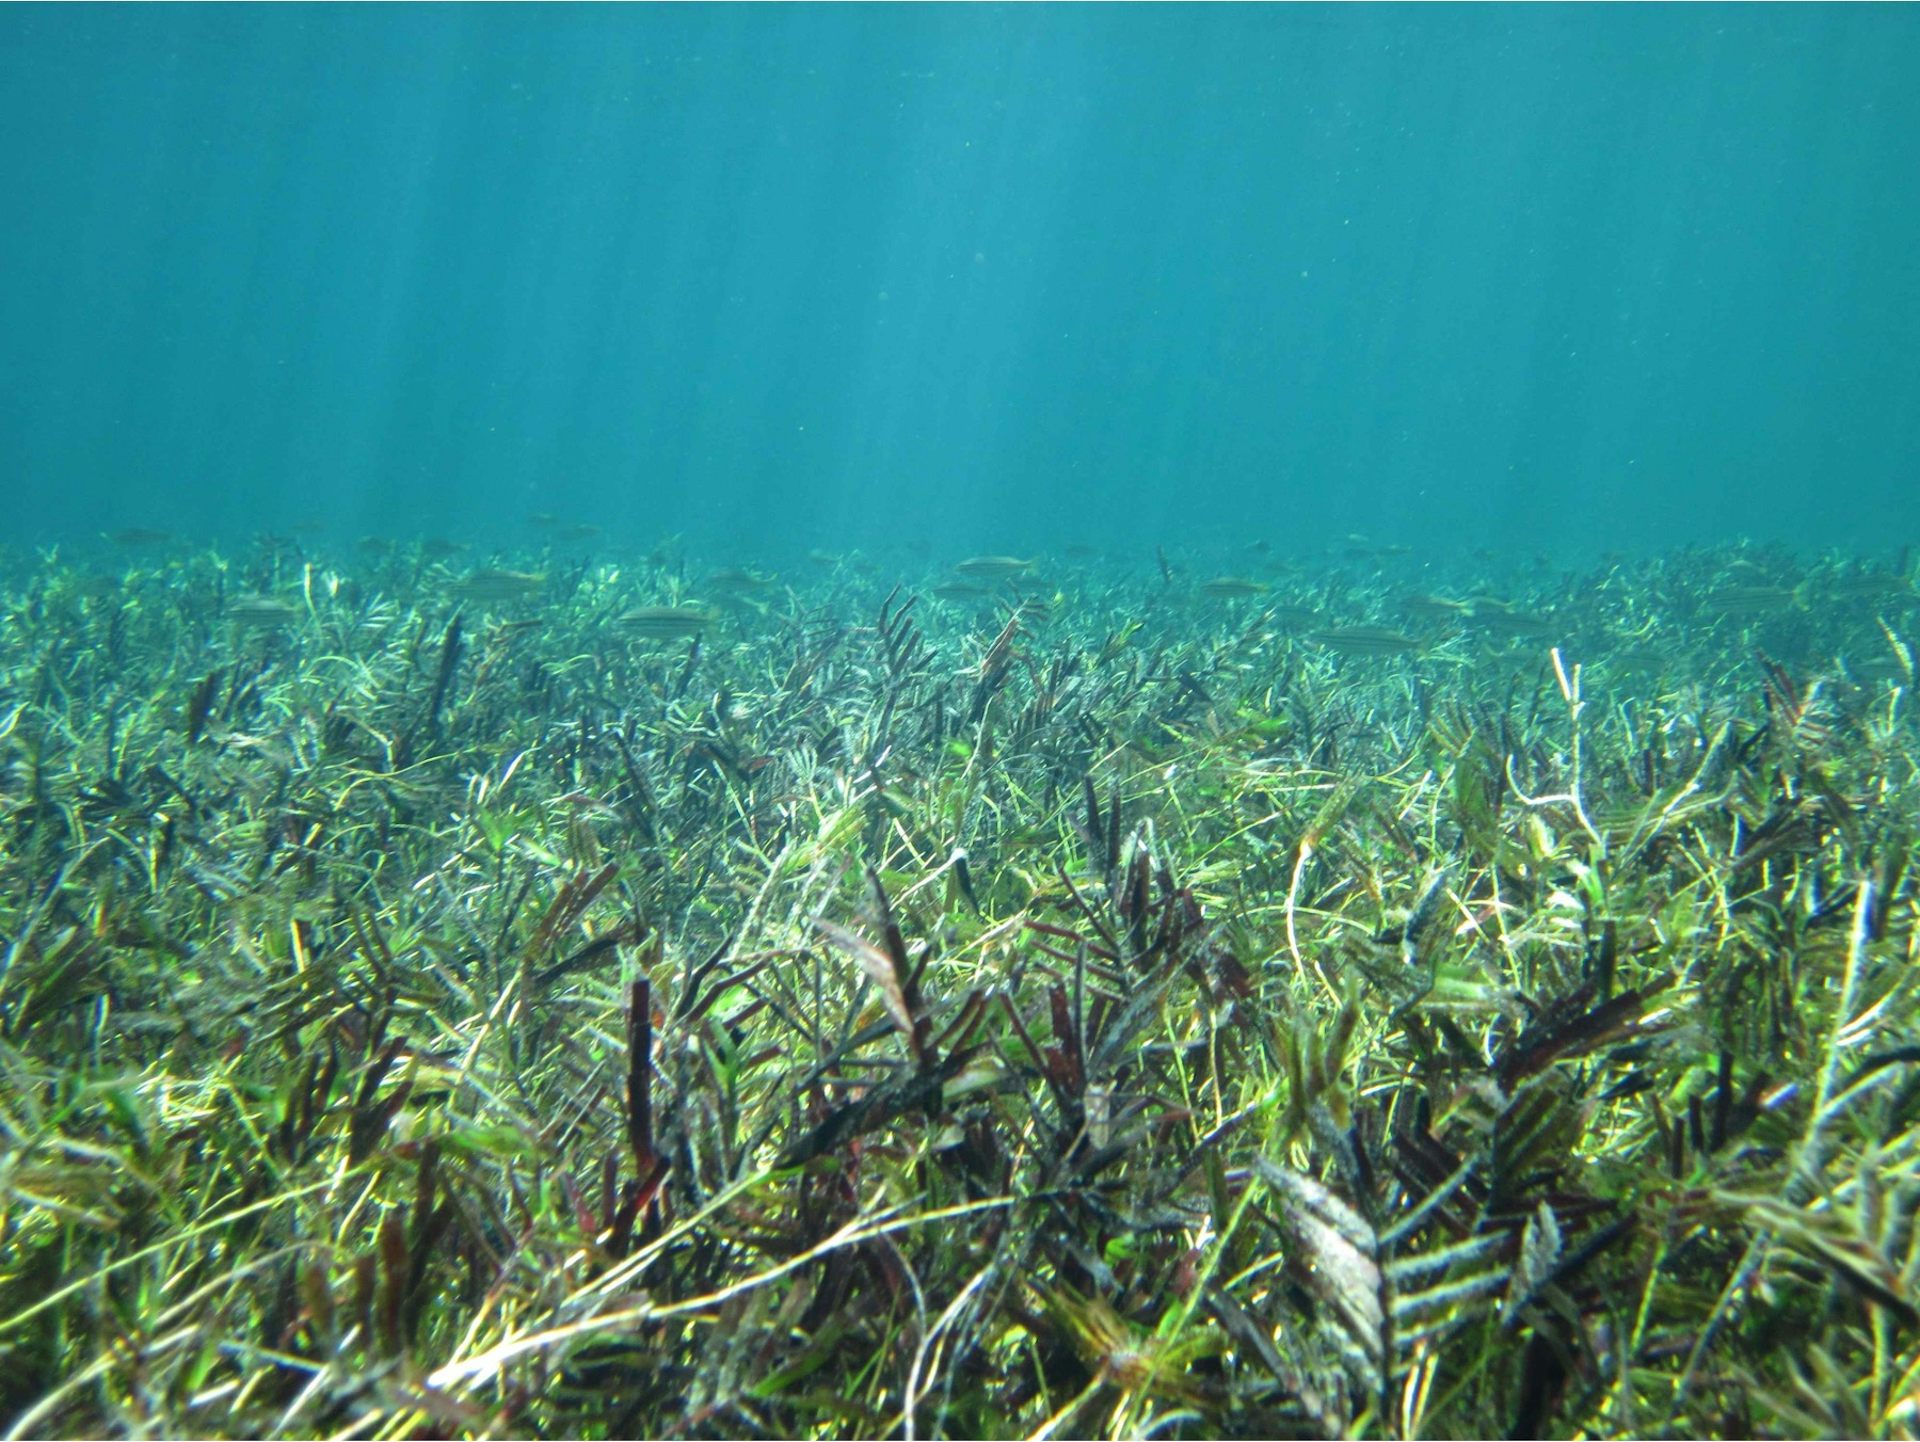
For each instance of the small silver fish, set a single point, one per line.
(1227, 586)
(740, 582)
(1364, 641)
(993, 566)
(668, 623)
(497, 586)
(261, 613)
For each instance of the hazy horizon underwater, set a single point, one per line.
(1557, 277)
(999, 721)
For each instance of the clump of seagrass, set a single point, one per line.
(1395, 996)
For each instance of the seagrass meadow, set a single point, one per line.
(599, 992)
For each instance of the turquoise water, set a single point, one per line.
(965, 278)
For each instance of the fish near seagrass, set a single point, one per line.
(1364, 641)
(1225, 587)
(496, 585)
(668, 623)
(1755, 600)
(732, 580)
(993, 566)
(1428, 607)
(261, 613)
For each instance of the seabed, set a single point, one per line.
(568, 993)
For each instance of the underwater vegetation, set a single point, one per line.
(451, 994)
